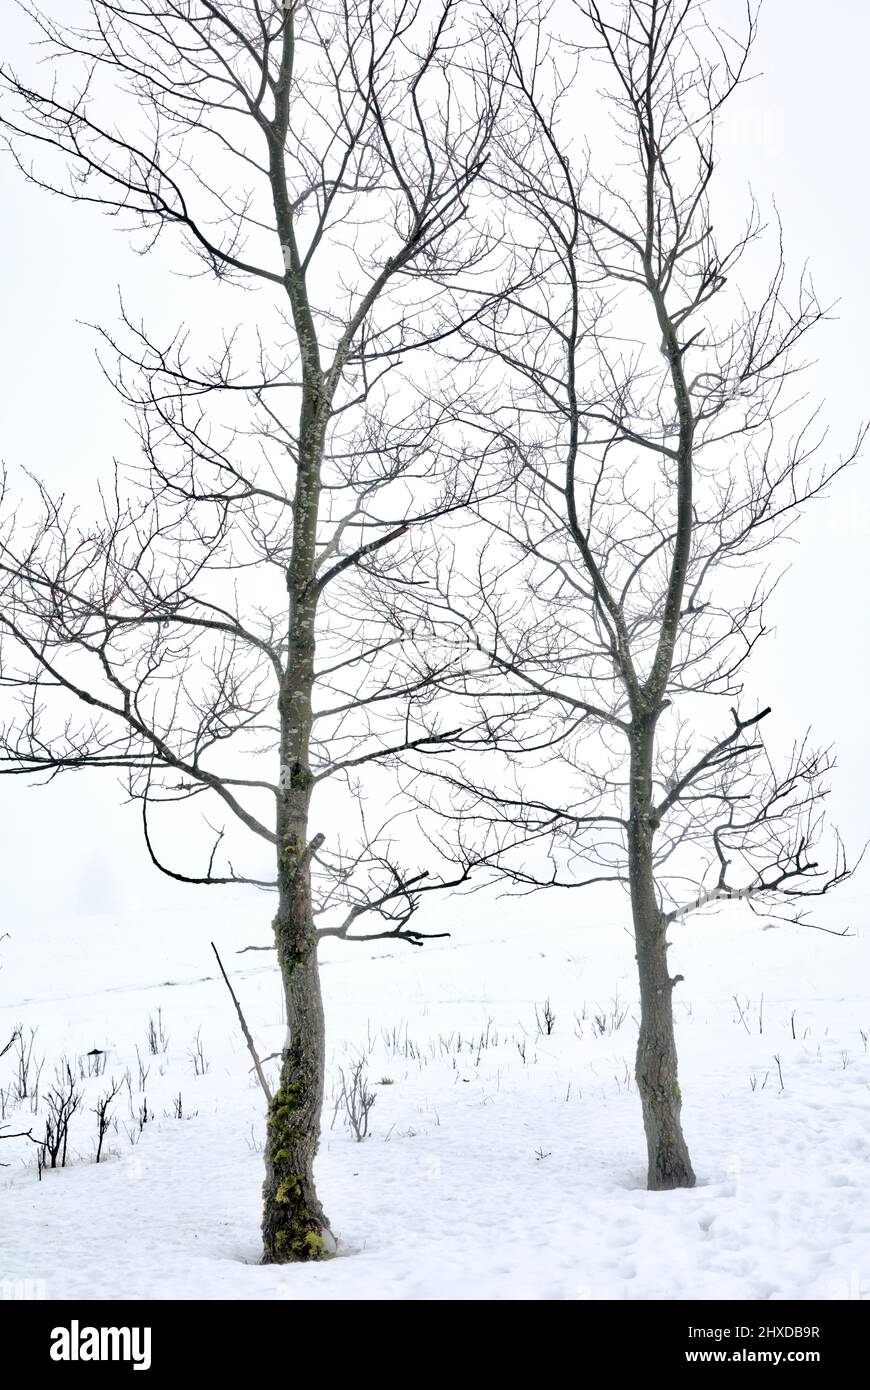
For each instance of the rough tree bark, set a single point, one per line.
(294, 1224)
(669, 1164)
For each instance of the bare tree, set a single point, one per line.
(103, 1114)
(62, 1100)
(207, 633)
(625, 586)
(358, 1099)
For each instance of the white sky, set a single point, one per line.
(798, 133)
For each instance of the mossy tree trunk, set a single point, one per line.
(294, 1224)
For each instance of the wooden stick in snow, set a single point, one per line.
(258, 1067)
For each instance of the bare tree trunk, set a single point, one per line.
(294, 1225)
(669, 1165)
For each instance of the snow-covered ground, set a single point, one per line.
(486, 1174)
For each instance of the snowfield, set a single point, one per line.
(486, 1174)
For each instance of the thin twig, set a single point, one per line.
(245, 1030)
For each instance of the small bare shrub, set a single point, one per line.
(357, 1098)
(545, 1018)
(156, 1037)
(62, 1100)
(104, 1118)
(197, 1056)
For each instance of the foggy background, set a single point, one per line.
(797, 133)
